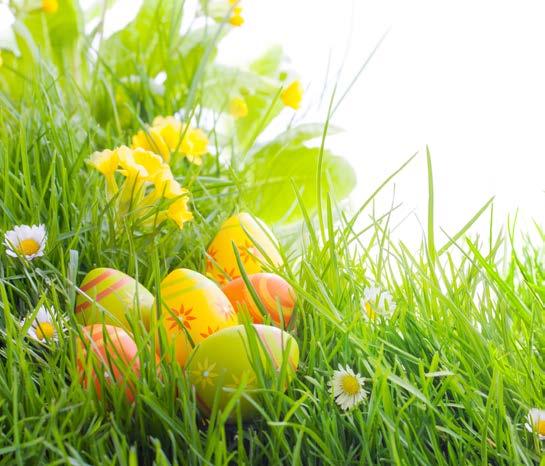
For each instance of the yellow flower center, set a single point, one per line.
(27, 247)
(350, 384)
(370, 311)
(540, 427)
(45, 330)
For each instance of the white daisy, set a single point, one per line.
(44, 327)
(377, 302)
(26, 241)
(347, 387)
(536, 422)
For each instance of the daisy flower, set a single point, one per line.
(377, 302)
(44, 327)
(347, 387)
(26, 241)
(536, 422)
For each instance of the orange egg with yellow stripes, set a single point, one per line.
(224, 365)
(194, 308)
(112, 297)
(254, 241)
(108, 355)
(274, 293)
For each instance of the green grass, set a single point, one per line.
(450, 377)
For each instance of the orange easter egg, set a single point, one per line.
(275, 293)
(255, 243)
(194, 307)
(227, 360)
(108, 354)
(111, 297)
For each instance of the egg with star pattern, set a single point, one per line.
(193, 308)
(225, 364)
(256, 245)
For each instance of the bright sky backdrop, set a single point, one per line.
(466, 78)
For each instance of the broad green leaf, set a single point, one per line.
(294, 137)
(270, 189)
(222, 83)
(55, 35)
(269, 63)
(147, 40)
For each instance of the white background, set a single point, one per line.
(466, 78)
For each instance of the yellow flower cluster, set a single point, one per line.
(148, 181)
(168, 135)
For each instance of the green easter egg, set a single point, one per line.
(223, 363)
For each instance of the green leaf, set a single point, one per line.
(295, 136)
(148, 39)
(269, 63)
(55, 35)
(273, 172)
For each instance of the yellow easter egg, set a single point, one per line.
(194, 308)
(111, 297)
(255, 243)
(226, 361)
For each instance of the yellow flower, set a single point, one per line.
(194, 145)
(50, 6)
(168, 135)
(152, 140)
(292, 95)
(139, 163)
(236, 18)
(106, 162)
(179, 212)
(165, 184)
(238, 108)
(1, 60)
(138, 166)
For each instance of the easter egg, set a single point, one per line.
(225, 362)
(275, 293)
(255, 243)
(110, 296)
(194, 307)
(108, 354)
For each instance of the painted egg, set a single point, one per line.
(223, 364)
(108, 354)
(251, 237)
(110, 296)
(275, 293)
(194, 308)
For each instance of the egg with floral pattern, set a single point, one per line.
(193, 308)
(108, 355)
(254, 241)
(225, 363)
(274, 293)
(111, 297)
